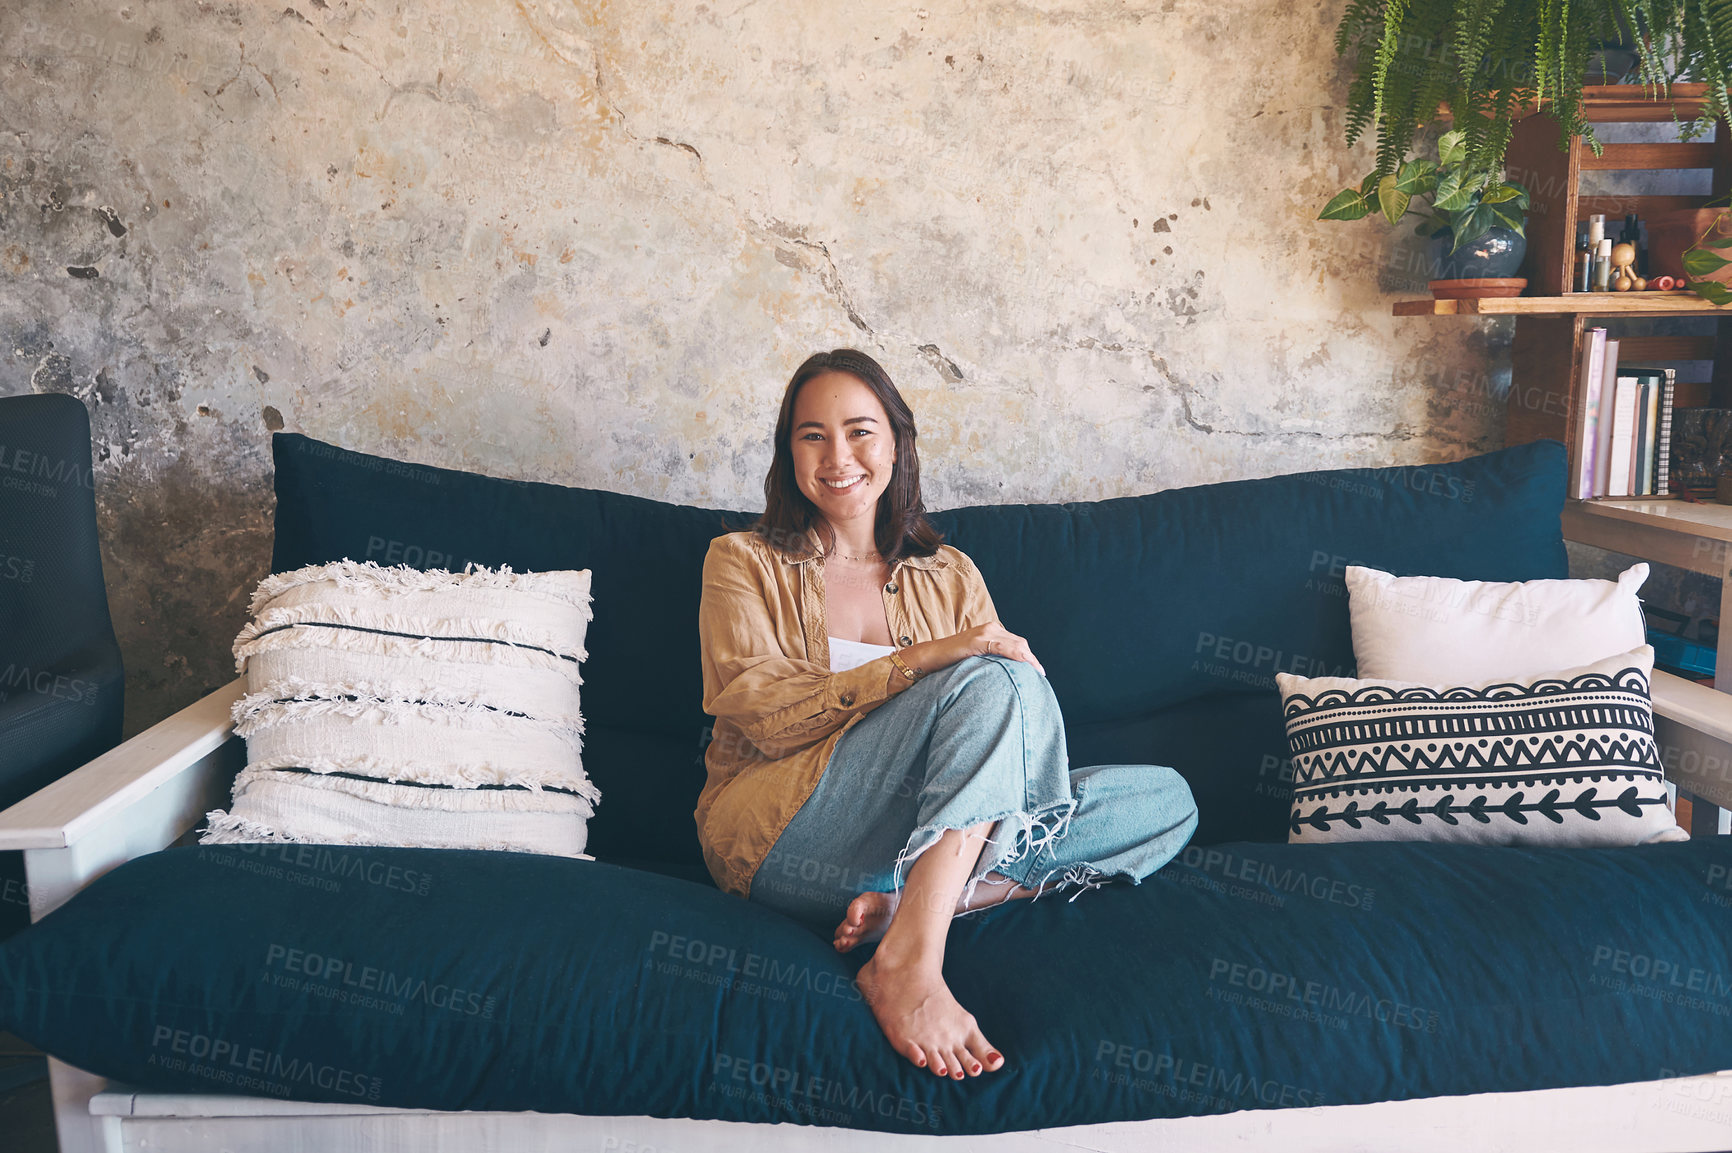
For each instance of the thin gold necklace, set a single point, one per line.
(868, 557)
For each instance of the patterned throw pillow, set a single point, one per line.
(1567, 759)
(391, 706)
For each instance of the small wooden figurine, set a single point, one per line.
(1623, 270)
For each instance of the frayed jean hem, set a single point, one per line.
(1018, 835)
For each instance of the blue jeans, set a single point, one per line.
(980, 741)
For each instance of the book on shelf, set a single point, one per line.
(1624, 439)
(1621, 462)
(1603, 435)
(1587, 450)
(1647, 425)
(1653, 428)
(1663, 451)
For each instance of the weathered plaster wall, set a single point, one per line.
(586, 242)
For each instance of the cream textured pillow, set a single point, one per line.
(1439, 631)
(392, 706)
(1565, 759)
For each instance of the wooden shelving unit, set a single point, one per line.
(1545, 353)
(1545, 362)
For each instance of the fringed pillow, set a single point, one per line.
(392, 706)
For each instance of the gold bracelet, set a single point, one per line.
(902, 667)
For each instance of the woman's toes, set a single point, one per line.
(866, 918)
(919, 1016)
(980, 1050)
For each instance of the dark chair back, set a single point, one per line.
(61, 680)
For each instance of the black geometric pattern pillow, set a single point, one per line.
(1568, 759)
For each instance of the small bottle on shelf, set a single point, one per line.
(1603, 266)
(1584, 278)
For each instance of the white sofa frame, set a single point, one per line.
(152, 790)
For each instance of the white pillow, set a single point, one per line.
(1438, 631)
(391, 706)
(1565, 759)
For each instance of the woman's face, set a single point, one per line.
(844, 449)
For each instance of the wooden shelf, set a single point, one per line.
(1695, 536)
(1628, 103)
(1572, 304)
(1706, 519)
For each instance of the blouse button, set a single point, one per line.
(904, 641)
(891, 587)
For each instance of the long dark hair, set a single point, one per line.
(900, 529)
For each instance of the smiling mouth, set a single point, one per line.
(843, 486)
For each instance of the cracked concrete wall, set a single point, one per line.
(586, 242)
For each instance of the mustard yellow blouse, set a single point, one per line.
(779, 710)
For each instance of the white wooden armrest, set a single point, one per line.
(1693, 724)
(67, 810)
(134, 799)
(1705, 709)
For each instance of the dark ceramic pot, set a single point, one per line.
(1496, 253)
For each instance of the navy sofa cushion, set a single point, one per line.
(1161, 620)
(642, 690)
(1242, 976)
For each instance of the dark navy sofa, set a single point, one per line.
(1246, 974)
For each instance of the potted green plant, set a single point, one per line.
(1483, 64)
(1475, 217)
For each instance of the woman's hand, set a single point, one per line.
(984, 640)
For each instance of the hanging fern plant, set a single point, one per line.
(1479, 62)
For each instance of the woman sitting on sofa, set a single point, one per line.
(885, 751)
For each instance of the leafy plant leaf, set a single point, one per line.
(1508, 219)
(1452, 193)
(1391, 201)
(1452, 147)
(1417, 177)
(1700, 262)
(1470, 226)
(1712, 291)
(1345, 205)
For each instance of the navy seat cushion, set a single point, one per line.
(1161, 620)
(1242, 976)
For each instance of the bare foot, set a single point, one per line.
(867, 917)
(869, 914)
(923, 1021)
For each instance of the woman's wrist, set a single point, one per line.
(929, 656)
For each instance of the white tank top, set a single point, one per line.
(845, 655)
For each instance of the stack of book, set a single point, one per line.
(1626, 431)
